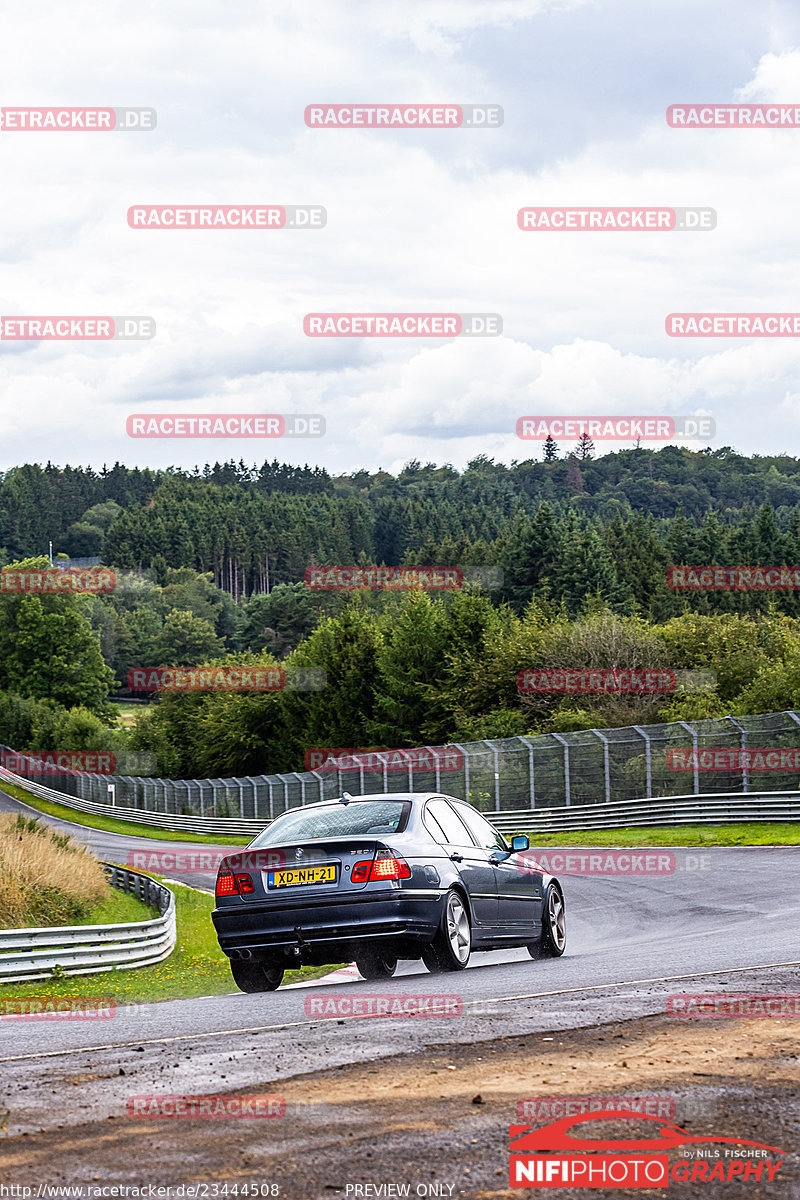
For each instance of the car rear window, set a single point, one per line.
(360, 818)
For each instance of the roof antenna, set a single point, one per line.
(345, 798)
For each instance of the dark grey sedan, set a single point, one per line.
(380, 878)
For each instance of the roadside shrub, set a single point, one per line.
(46, 878)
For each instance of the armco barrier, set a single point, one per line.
(705, 808)
(30, 954)
(176, 822)
(710, 809)
(540, 772)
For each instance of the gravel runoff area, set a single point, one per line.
(436, 1119)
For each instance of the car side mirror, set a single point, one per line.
(520, 842)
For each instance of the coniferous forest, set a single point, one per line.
(584, 544)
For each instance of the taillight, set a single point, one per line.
(245, 884)
(226, 885)
(384, 866)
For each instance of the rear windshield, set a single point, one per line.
(357, 819)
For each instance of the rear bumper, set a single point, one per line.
(396, 916)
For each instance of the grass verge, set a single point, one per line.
(196, 967)
(112, 825)
(750, 834)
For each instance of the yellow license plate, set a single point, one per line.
(301, 876)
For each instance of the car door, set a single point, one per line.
(519, 885)
(472, 862)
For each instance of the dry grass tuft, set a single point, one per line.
(46, 878)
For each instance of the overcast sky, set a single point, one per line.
(417, 221)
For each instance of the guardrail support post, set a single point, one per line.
(606, 765)
(693, 733)
(648, 759)
(743, 739)
(567, 785)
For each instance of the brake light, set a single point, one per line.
(245, 884)
(386, 866)
(226, 885)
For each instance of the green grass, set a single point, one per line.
(196, 967)
(117, 908)
(112, 825)
(751, 834)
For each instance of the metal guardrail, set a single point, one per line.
(31, 954)
(541, 771)
(712, 808)
(177, 822)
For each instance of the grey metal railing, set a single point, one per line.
(30, 954)
(542, 773)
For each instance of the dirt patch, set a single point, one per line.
(438, 1119)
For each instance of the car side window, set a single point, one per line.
(455, 834)
(487, 837)
(433, 827)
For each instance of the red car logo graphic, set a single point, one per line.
(526, 1139)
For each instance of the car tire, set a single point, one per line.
(374, 964)
(452, 946)
(256, 976)
(553, 941)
